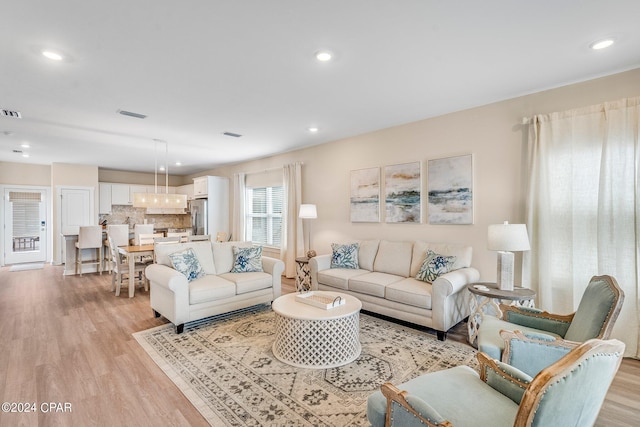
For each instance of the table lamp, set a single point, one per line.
(308, 211)
(507, 238)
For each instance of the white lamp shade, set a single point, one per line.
(508, 237)
(308, 211)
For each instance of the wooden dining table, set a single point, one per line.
(131, 252)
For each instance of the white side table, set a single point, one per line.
(303, 274)
(488, 302)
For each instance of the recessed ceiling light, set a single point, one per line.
(178, 163)
(25, 145)
(313, 129)
(601, 44)
(55, 56)
(161, 168)
(25, 154)
(323, 56)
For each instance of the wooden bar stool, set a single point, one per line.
(89, 237)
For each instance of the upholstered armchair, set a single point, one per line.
(570, 392)
(596, 314)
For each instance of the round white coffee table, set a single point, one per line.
(312, 337)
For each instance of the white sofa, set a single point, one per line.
(219, 291)
(385, 282)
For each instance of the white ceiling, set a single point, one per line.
(203, 67)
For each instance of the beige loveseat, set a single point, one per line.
(385, 282)
(218, 291)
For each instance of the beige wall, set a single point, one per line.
(493, 134)
(29, 174)
(25, 174)
(70, 176)
(122, 177)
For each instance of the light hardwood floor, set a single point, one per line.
(68, 340)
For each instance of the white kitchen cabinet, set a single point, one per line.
(136, 189)
(104, 198)
(200, 187)
(120, 194)
(185, 189)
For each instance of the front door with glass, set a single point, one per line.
(25, 221)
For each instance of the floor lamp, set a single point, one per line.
(507, 238)
(308, 211)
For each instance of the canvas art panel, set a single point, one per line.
(450, 187)
(365, 195)
(402, 188)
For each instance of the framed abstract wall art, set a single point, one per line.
(365, 195)
(402, 190)
(450, 186)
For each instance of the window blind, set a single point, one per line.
(26, 213)
(264, 215)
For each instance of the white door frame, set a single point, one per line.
(48, 248)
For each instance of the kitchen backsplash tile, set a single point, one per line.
(121, 214)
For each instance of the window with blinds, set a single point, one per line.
(26, 214)
(264, 215)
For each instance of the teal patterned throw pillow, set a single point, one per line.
(247, 260)
(186, 262)
(435, 265)
(344, 256)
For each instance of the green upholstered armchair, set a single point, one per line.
(596, 314)
(570, 392)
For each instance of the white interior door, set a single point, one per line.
(25, 237)
(76, 209)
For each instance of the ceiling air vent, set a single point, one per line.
(11, 113)
(130, 114)
(235, 135)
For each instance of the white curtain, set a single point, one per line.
(583, 208)
(239, 210)
(292, 237)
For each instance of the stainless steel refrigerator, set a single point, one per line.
(199, 215)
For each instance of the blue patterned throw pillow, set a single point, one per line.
(247, 260)
(186, 262)
(435, 265)
(344, 256)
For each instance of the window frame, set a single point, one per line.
(269, 215)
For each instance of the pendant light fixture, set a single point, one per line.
(161, 200)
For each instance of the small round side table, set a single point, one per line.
(303, 274)
(488, 302)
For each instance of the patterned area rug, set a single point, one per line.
(225, 367)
